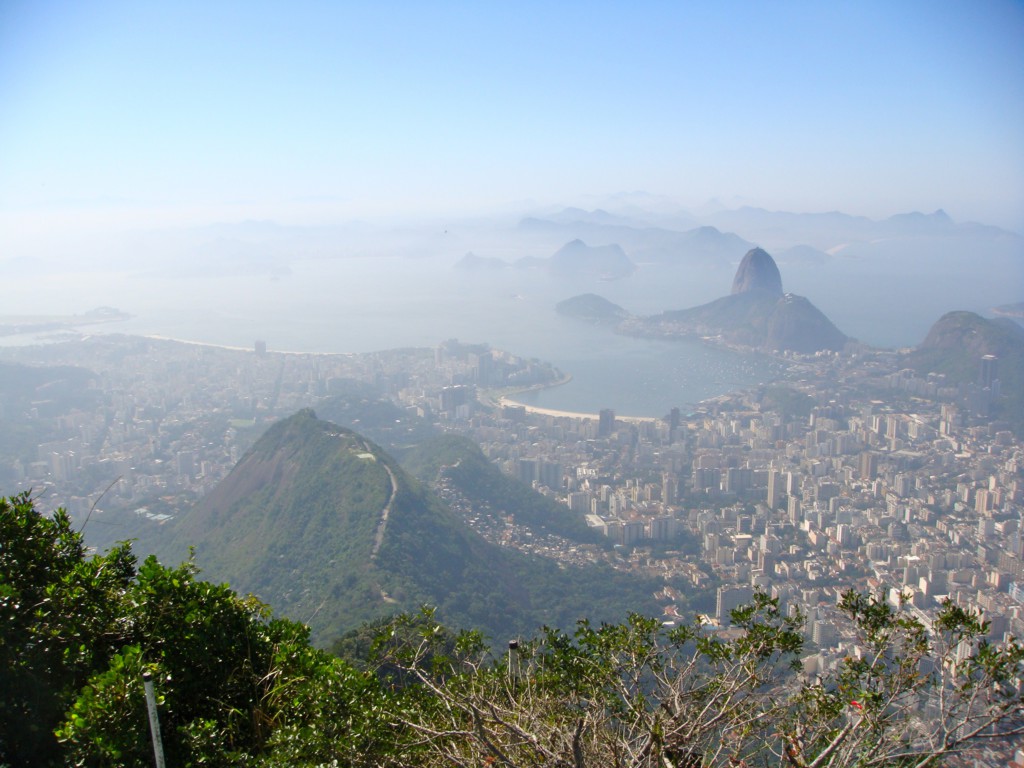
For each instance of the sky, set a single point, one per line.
(148, 113)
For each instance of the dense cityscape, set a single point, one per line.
(868, 475)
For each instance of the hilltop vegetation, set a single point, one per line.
(361, 409)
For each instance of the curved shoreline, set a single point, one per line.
(502, 400)
(492, 399)
(574, 414)
(251, 350)
(507, 400)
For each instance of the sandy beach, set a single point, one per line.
(571, 414)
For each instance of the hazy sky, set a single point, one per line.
(164, 111)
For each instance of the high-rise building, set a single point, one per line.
(454, 396)
(549, 473)
(989, 370)
(794, 509)
(868, 465)
(903, 485)
(579, 501)
(669, 488)
(606, 422)
(632, 532)
(728, 599)
(774, 488)
(663, 528)
(528, 470)
(674, 420)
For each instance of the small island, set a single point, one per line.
(592, 308)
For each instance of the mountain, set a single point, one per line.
(701, 246)
(956, 342)
(592, 308)
(328, 529)
(600, 216)
(756, 314)
(757, 272)
(473, 263)
(578, 258)
(954, 347)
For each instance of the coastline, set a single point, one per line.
(535, 409)
(251, 350)
(501, 401)
(494, 399)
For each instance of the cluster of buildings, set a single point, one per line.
(857, 473)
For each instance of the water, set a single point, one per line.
(363, 305)
(883, 297)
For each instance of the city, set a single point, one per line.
(866, 476)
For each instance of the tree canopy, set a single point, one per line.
(236, 685)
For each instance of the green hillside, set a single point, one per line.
(464, 464)
(328, 529)
(591, 308)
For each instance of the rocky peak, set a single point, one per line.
(757, 272)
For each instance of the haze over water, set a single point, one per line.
(341, 305)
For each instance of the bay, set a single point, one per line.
(365, 305)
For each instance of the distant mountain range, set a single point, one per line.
(730, 233)
(703, 245)
(574, 259)
(866, 271)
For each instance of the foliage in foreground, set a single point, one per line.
(636, 694)
(237, 686)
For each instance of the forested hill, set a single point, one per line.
(328, 529)
(461, 462)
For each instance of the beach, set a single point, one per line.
(507, 401)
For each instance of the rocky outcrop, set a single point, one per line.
(757, 272)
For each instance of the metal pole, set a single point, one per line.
(513, 661)
(154, 719)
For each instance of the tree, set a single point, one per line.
(58, 614)
(636, 694)
(234, 684)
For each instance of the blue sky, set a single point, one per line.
(147, 113)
